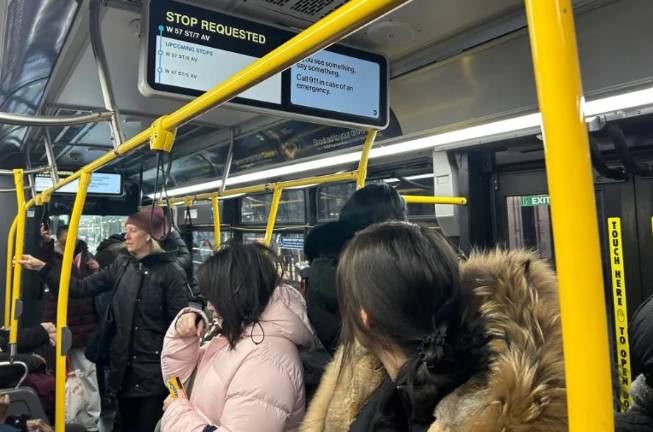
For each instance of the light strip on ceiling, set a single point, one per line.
(620, 102)
(592, 108)
(413, 177)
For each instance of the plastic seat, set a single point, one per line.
(24, 400)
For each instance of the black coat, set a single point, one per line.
(322, 248)
(639, 418)
(175, 244)
(148, 295)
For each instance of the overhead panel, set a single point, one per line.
(188, 50)
(121, 36)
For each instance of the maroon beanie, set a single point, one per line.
(147, 218)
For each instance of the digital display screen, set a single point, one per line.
(335, 82)
(101, 184)
(197, 67)
(189, 50)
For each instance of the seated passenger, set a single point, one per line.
(19, 424)
(29, 340)
(149, 289)
(639, 418)
(431, 345)
(249, 377)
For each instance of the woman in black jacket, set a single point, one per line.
(369, 205)
(149, 289)
(324, 243)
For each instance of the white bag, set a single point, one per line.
(75, 396)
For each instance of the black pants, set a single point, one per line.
(140, 414)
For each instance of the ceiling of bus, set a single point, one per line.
(441, 26)
(421, 23)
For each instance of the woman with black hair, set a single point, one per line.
(249, 377)
(372, 204)
(428, 345)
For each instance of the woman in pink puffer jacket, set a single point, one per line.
(249, 377)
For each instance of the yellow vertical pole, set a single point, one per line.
(63, 334)
(217, 238)
(272, 217)
(365, 156)
(16, 306)
(575, 226)
(8, 276)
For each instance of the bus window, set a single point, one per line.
(254, 209)
(331, 198)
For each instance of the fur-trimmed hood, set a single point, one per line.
(524, 389)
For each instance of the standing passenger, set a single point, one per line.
(374, 203)
(82, 318)
(149, 289)
(430, 348)
(248, 378)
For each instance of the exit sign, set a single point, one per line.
(534, 200)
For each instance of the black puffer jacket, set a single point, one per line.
(174, 243)
(149, 294)
(322, 248)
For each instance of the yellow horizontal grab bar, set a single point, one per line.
(418, 199)
(331, 178)
(351, 17)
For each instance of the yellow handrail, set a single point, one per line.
(63, 342)
(346, 19)
(16, 307)
(573, 210)
(267, 187)
(217, 237)
(418, 199)
(350, 17)
(8, 276)
(365, 157)
(272, 217)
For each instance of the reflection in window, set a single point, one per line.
(203, 245)
(529, 224)
(331, 198)
(290, 249)
(92, 229)
(255, 209)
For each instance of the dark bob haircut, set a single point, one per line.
(239, 281)
(374, 203)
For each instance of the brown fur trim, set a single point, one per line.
(524, 390)
(336, 404)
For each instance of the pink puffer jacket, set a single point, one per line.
(251, 388)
